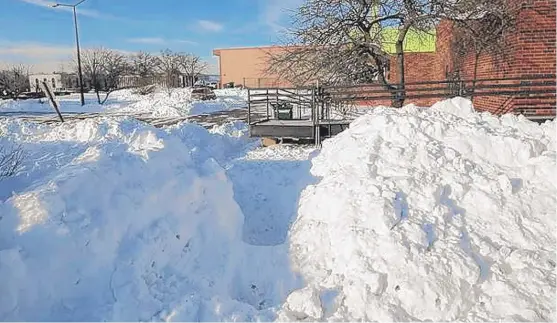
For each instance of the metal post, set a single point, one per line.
(249, 108)
(50, 96)
(313, 117)
(267, 97)
(78, 58)
(299, 104)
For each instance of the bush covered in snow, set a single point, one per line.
(429, 214)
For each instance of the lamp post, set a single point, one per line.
(80, 74)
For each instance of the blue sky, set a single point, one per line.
(37, 34)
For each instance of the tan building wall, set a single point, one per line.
(246, 66)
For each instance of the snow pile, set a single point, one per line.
(129, 95)
(179, 103)
(112, 219)
(429, 214)
(227, 99)
(162, 103)
(240, 94)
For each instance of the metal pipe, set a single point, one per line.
(249, 108)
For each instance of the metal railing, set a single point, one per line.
(532, 93)
(518, 87)
(266, 104)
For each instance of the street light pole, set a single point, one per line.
(78, 58)
(79, 71)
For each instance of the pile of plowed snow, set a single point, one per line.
(112, 219)
(429, 214)
(161, 103)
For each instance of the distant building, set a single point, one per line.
(247, 66)
(59, 82)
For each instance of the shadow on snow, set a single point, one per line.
(268, 193)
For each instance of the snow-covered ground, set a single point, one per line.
(161, 103)
(411, 214)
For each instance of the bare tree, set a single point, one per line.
(14, 80)
(144, 65)
(342, 41)
(92, 66)
(169, 66)
(103, 68)
(114, 65)
(192, 66)
(10, 161)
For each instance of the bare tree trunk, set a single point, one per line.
(98, 96)
(400, 95)
(105, 97)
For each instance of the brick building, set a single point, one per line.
(531, 52)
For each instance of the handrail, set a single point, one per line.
(456, 81)
(320, 100)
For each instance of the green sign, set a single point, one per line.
(414, 42)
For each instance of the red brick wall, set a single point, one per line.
(418, 67)
(423, 67)
(531, 51)
(535, 50)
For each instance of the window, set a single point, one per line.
(53, 83)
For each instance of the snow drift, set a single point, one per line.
(112, 219)
(429, 214)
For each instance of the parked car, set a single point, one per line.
(203, 93)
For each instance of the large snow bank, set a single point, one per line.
(429, 214)
(112, 219)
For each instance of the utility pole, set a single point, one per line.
(79, 71)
